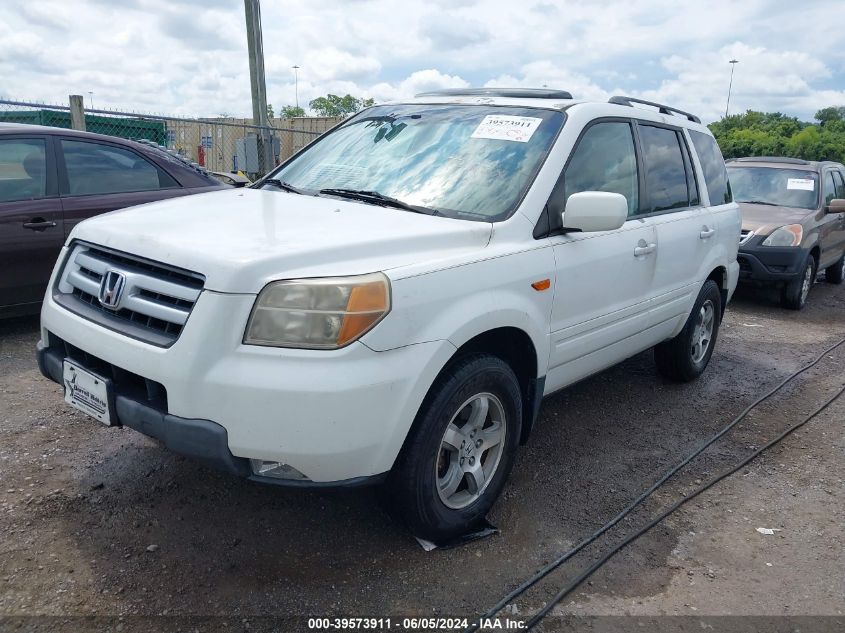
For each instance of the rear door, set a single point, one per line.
(96, 177)
(685, 232)
(31, 231)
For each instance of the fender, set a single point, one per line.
(459, 303)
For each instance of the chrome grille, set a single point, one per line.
(155, 302)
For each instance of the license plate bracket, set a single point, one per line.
(90, 393)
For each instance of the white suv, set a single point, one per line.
(392, 303)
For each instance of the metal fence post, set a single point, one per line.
(77, 113)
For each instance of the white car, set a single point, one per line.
(392, 303)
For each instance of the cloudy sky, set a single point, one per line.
(189, 56)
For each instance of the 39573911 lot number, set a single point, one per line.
(387, 624)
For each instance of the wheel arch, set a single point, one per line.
(514, 346)
(720, 276)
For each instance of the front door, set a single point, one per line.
(604, 281)
(831, 233)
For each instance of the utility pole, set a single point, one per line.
(77, 113)
(733, 63)
(255, 45)
(296, 83)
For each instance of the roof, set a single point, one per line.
(550, 99)
(49, 129)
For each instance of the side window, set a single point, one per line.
(839, 179)
(23, 169)
(692, 184)
(98, 168)
(605, 160)
(665, 176)
(829, 188)
(713, 166)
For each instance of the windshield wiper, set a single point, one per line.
(374, 197)
(281, 184)
(771, 204)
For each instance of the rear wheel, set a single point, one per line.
(836, 274)
(460, 450)
(685, 357)
(794, 295)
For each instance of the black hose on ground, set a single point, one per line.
(554, 564)
(599, 563)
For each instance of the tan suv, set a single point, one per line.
(793, 223)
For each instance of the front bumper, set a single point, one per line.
(339, 417)
(770, 264)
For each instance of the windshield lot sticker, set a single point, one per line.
(507, 128)
(805, 184)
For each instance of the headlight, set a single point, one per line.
(325, 313)
(789, 235)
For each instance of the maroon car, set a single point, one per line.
(53, 178)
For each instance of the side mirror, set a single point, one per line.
(837, 205)
(591, 211)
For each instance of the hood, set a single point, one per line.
(764, 218)
(241, 239)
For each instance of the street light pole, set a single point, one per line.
(296, 83)
(733, 63)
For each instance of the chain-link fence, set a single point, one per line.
(223, 144)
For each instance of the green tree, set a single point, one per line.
(831, 114)
(775, 134)
(291, 112)
(333, 105)
(270, 114)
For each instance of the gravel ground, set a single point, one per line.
(105, 522)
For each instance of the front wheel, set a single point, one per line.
(794, 295)
(685, 357)
(460, 450)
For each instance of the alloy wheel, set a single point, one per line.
(470, 450)
(702, 333)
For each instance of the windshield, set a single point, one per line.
(469, 161)
(770, 185)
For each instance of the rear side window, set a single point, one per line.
(23, 169)
(713, 166)
(605, 160)
(97, 168)
(665, 176)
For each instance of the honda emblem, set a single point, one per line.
(111, 288)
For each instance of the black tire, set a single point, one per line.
(794, 295)
(836, 274)
(679, 359)
(411, 491)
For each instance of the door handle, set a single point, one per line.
(38, 224)
(645, 249)
(707, 233)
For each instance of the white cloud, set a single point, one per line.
(189, 56)
(764, 79)
(326, 64)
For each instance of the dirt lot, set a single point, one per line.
(82, 506)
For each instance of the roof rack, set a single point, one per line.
(517, 93)
(769, 159)
(663, 109)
